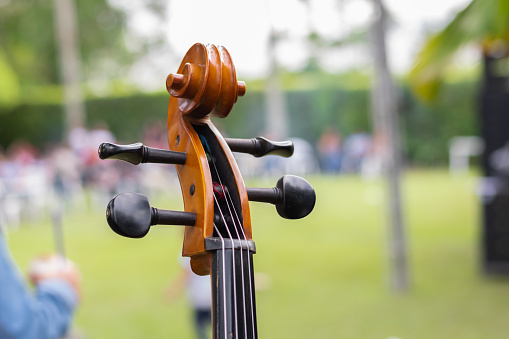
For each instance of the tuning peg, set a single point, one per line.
(130, 215)
(260, 146)
(139, 153)
(293, 196)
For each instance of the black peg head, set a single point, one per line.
(132, 153)
(297, 197)
(130, 215)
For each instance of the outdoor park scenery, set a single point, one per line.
(321, 277)
(399, 120)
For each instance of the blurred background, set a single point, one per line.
(398, 112)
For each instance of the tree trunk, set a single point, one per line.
(66, 28)
(276, 120)
(387, 135)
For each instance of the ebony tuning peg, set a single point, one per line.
(293, 196)
(130, 215)
(260, 146)
(138, 153)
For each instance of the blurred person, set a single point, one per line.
(372, 164)
(99, 134)
(155, 135)
(303, 161)
(85, 144)
(3, 189)
(499, 160)
(24, 176)
(99, 178)
(329, 150)
(46, 315)
(94, 167)
(356, 148)
(497, 184)
(78, 142)
(199, 293)
(22, 153)
(66, 176)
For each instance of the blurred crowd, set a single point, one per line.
(71, 176)
(358, 153)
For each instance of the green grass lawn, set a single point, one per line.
(326, 276)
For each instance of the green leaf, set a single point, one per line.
(9, 85)
(481, 21)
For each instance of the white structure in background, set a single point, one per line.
(303, 161)
(460, 151)
(24, 193)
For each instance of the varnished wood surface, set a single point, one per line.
(205, 84)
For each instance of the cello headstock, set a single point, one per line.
(216, 200)
(206, 85)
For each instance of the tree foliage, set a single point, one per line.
(482, 22)
(28, 47)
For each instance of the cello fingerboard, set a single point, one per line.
(233, 297)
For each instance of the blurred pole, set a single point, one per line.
(66, 28)
(387, 133)
(276, 122)
(58, 230)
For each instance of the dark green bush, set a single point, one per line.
(426, 129)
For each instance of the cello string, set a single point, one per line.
(249, 272)
(227, 193)
(212, 160)
(237, 227)
(241, 260)
(233, 266)
(224, 281)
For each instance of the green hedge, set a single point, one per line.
(426, 129)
